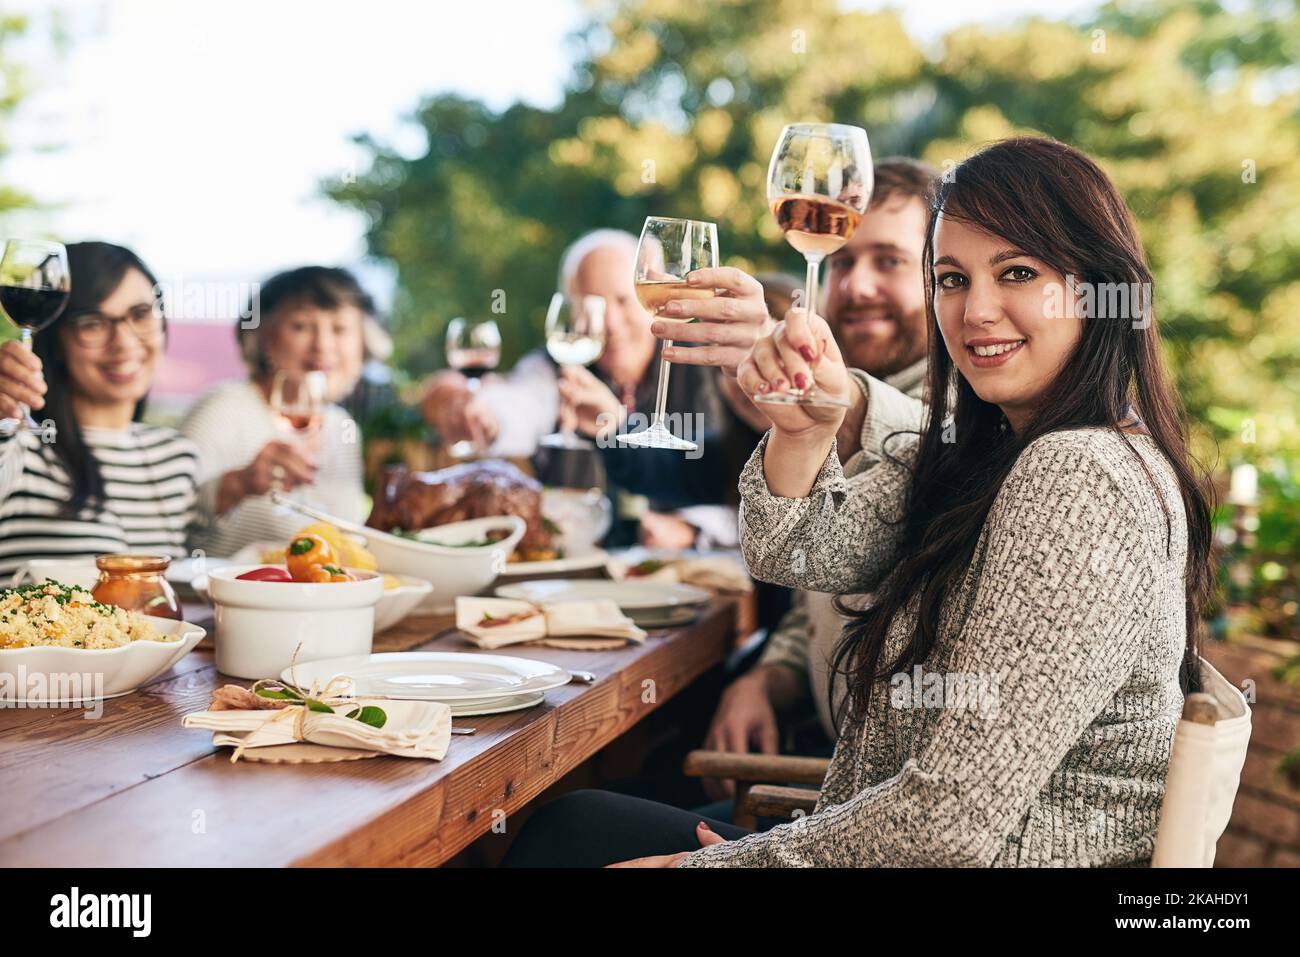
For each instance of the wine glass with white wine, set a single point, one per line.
(669, 250)
(34, 287)
(819, 183)
(575, 336)
(298, 405)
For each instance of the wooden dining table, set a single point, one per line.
(132, 787)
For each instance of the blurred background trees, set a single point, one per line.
(674, 106)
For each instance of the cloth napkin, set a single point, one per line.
(414, 729)
(718, 573)
(601, 618)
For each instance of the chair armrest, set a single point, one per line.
(768, 800)
(787, 769)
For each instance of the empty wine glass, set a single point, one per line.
(34, 287)
(669, 249)
(819, 183)
(575, 336)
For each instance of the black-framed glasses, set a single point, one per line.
(94, 329)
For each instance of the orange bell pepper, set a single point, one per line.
(306, 552)
(329, 573)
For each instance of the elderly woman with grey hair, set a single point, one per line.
(310, 320)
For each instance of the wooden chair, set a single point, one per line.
(1204, 772)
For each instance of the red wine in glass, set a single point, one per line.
(34, 286)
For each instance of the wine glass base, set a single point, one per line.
(813, 398)
(30, 426)
(464, 451)
(564, 440)
(656, 437)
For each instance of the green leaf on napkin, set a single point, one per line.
(286, 694)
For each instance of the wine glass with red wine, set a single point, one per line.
(473, 349)
(34, 287)
(818, 184)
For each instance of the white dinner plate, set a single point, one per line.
(435, 675)
(557, 566)
(470, 709)
(628, 595)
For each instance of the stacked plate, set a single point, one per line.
(649, 604)
(472, 684)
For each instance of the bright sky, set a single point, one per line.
(198, 132)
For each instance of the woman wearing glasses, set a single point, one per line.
(110, 483)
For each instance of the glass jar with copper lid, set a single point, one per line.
(137, 583)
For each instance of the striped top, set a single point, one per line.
(149, 496)
(230, 425)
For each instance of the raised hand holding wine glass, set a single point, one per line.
(802, 433)
(34, 287)
(819, 183)
(298, 403)
(575, 336)
(669, 250)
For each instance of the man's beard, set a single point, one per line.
(879, 341)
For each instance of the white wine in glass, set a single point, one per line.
(298, 404)
(34, 287)
(575, 336)
(818, 184)
(473, 349)
(669, 250)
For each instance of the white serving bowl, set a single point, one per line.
(81, 572)
(439, 557)
(396, 603)
(74, 675)
(259, 624)
(393, 605)
(582, 515)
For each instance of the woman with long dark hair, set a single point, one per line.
(109, 482)
(1037, 553)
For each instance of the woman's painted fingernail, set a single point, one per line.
(807, 353)
(800, 380)
(762, 387)
(671, 309)
(657, 328)
(705, 826)
(780, 384)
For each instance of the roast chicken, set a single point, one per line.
(414, 500)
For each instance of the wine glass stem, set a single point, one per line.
(25, 336)
(661, 393)
(810, 286)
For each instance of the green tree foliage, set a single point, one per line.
(674, 106)
(12, 90)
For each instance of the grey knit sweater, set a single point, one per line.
(1038, 732)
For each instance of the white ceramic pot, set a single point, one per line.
(259, 624)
